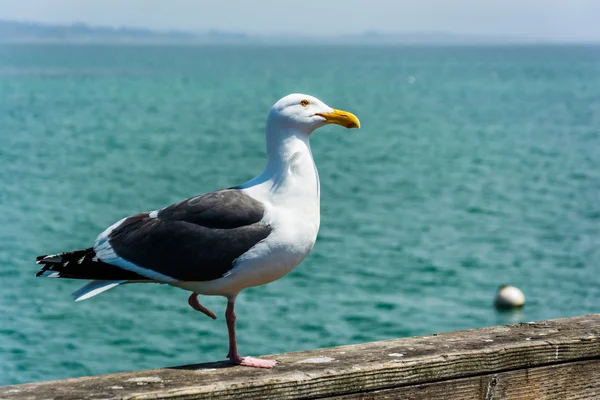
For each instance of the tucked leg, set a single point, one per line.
(233, 355)
(193, 301)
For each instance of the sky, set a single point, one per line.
(532, 19)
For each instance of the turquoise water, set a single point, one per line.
(475, 167)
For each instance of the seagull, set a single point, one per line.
(222, 242)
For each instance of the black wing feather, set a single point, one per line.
(197, 239)
(83, 264)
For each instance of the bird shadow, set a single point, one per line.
(204, 366)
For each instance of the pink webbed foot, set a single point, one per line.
(195, 304)
(254, 362)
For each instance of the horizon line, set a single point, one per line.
(367, 36)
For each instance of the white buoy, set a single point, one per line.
(509, 297)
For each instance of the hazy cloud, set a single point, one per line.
(546, 19)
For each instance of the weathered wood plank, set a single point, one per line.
(577, 380)
(347, 369)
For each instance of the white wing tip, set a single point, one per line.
(50, 258)
(50, 274)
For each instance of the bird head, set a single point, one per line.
(306, 113)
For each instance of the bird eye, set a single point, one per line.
(304, 103)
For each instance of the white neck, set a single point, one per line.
(290, 178)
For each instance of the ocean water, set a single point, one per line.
(475, 167)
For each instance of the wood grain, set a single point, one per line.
(356, 369)
(577, 380)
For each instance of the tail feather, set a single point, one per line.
(94, 288)
(83, 264)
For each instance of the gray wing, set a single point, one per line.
(197, 239)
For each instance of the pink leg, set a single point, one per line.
(233, 355)
(193, 301)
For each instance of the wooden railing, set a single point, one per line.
(556, 359)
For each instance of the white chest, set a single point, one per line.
(293, 211)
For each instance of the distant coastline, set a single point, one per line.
(15, 32)
(34, 32)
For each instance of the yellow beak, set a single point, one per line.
(342, 118)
